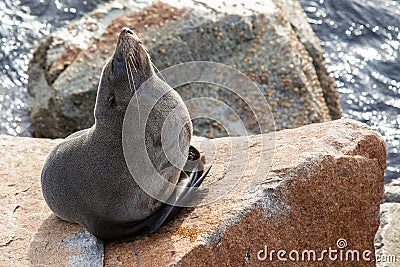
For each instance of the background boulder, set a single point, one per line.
(272, 43)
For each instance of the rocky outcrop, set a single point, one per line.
(271, 43)
(387, 239)
(392, 192)
(315, 188)
(25, 218)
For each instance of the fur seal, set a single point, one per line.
(85, 179)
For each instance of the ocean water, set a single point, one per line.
(22, 24)
(361, 39)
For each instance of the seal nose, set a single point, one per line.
(126, 30)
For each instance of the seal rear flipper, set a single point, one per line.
(169, 211)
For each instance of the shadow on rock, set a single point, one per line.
(61, 243)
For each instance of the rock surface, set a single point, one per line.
(271, 43)
(325, 184)
(387, 239)
(27, 225)
(392, 192)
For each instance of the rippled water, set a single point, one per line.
(22, 24)
(361, 39)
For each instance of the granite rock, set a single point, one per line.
(392, 192)
(301, 189)
(324, 186)
(272, 44)
(30, 234)
(387, 239)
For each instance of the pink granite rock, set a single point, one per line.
(323, 191)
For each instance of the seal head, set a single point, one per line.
(122, 75)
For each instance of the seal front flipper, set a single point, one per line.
(168, 211)
(190, 181)
(194, 178)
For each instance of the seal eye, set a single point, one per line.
(111, 100)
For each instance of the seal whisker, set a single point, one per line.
(133, 58)
(158, 71)
(133, 64)
(129, 76)
(136, 71)
(133, 80)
